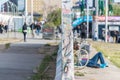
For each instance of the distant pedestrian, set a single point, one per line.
(6, 28)
(1, 28)
(83, 31)
(95, 36)
(33, 28)
(103, 35)
(38, 28)
(24, 30)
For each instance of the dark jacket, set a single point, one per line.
(24, 28)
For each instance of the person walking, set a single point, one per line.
(38, 28)
(24, 30)
(6, 28)
(33, 28)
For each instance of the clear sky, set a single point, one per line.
(117, 0)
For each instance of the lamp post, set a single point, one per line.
(32, 11)
(106, 20)
(87, 18)
(26, 10)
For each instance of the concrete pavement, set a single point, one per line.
(19, 61)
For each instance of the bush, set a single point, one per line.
(55, 17)
(49, 24)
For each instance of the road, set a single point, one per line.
(19, 61)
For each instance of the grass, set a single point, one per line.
(77, 73)
(47, 45)
(110, 51)
(7, 45)
(43, 69)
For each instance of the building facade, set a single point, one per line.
(15, 2)
(41, 5)
(9, 6)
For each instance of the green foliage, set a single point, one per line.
(101, 7)
(55, 17)
(47, 45)
(40, 75)
(7, 45)
(45, 65)
(116, 10)
(82, 6)
(49, 24)
(79, 74)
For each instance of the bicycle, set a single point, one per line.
(81, 54)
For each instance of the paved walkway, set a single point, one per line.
(19, 61)
(108, 73)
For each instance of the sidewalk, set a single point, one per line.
(20, 60)
(108, 73)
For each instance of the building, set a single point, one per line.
(41, 5)
(9, 6)
(15, 2)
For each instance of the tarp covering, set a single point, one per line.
(80, 20)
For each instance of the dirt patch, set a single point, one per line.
(47, 69)
(5, 42)
(9, 40)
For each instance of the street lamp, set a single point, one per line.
(26, 11)
(106, 20)
(87, 18)
(32, 11)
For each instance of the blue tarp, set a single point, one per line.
(80, 20)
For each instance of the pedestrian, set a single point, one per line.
(24, 30)
(33, 28)
(6, 28)
(78, 31)
(95, 36)
(83, 31)
(38, 28)
(103, 35)
(1, 28)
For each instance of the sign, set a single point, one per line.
(110, 18)
(114, 28)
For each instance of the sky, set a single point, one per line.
(117, 0)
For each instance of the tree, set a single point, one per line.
(116, 10)
(82, 6)
(101, 7)
(55, 17)
(110, 7)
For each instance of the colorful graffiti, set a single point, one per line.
(65, 60)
